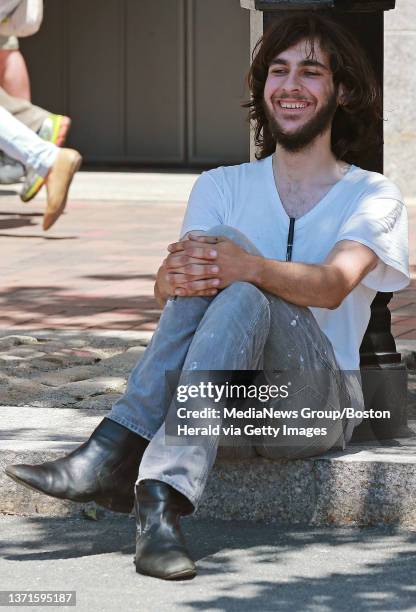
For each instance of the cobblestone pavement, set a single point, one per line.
(88, 370)
(67, 369)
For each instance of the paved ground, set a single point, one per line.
(242, 567)
(67, 368)
(95, 269)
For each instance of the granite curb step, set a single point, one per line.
(369, 484)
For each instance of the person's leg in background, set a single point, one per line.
(14, 77)
(48, 126)
(23, 110)
(56, 166)
(21, 143)
(14, 80)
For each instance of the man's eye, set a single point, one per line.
(310, 73)
(278, 72)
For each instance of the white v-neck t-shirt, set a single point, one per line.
(363, 206)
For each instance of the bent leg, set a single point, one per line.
(29, 114)
(297, 346)
(144, 406)
(21, 143)
(231, 336)
(13, 73)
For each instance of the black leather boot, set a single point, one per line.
(103, 469)
(160, 546)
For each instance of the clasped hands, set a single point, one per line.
(201, 265)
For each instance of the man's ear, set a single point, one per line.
(342, 97)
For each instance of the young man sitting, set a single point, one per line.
(240, 296)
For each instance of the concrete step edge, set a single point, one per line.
(364, 486)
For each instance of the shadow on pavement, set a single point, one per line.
(57, 538)
(39, 236)
(256, 566)
(13, 223)
(8, 192)
(121, 277)
(20, 214)
(39, 433)
(41, 303)
(290, 552)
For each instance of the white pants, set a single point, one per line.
(21, 143)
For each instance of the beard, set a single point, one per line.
(296, 141)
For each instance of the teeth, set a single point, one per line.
(293, 105)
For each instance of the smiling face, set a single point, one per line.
(300, 99)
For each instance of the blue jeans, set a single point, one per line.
(21, 143)
(241, 328)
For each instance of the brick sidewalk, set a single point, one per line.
(95, 269)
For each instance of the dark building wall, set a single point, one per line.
(146, 81)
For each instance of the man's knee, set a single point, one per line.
(240, 301)
(227, 231)
(246, 292)
(224, 230)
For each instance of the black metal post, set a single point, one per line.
(383, 374)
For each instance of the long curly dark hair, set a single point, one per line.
(354, 127)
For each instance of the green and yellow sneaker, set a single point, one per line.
(54, 129)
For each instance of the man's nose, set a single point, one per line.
(291, 82)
